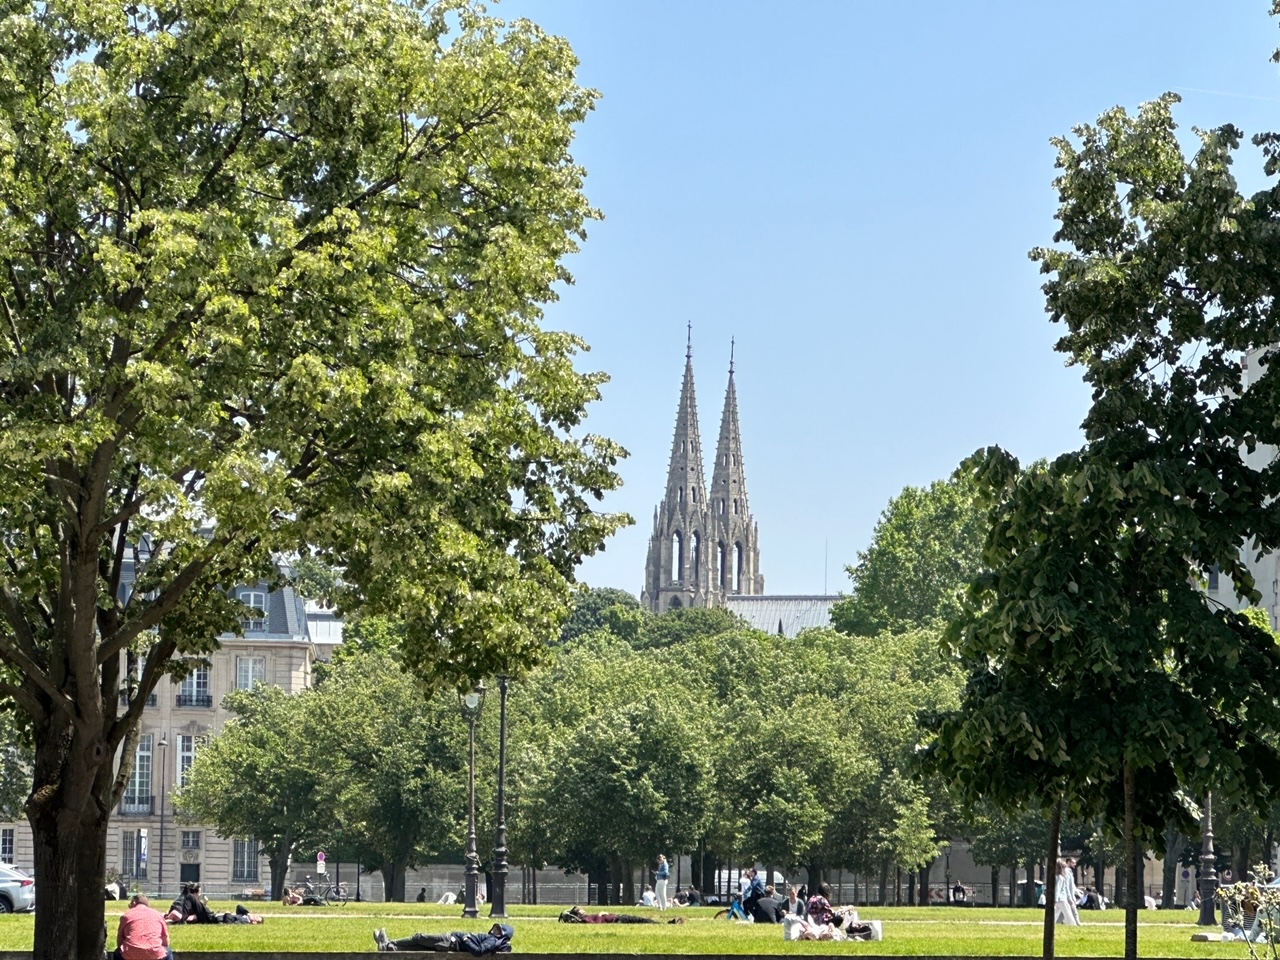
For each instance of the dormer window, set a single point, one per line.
(255, 619)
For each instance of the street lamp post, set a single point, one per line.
(498, 907)
(164, 788)
(472, 704)
(1208, 873)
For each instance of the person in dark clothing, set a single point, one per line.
(497, 940)
(577, 915)
(422, 895)
(766, 909)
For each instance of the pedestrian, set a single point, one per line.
(1064, 896)
(660, 881)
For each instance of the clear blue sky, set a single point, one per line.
(850, 189)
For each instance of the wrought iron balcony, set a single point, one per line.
(132, 806)
(195, 700)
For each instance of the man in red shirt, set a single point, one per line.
(143, 934)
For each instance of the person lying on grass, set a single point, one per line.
(191, 908)
(497, 940)
(576, 915)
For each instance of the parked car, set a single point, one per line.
(17, 891)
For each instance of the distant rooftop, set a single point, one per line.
(785, 615)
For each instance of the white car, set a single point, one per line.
(17, 891)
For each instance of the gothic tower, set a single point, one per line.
(678, 571)
(735, 536)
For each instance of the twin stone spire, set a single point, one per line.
(705, 544)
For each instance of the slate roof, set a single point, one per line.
(787, 615)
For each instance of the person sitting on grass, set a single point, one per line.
(648, 898)
(497, 940)
(767, 909)
(291, 897)
(578, 915)
(143, 934)
(819, 909)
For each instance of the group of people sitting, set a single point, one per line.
(806, 917)
(688, 897)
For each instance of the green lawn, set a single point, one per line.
(909, 931)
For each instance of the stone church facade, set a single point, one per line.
(705, 546)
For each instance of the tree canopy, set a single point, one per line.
(1100, 672)
(924, 550)
(273, 286)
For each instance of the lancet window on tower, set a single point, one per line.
(737, 568)
(722, 565)
(697, 556)
(677, 556)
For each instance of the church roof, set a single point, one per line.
(787, 615)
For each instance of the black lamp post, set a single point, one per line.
(498, 908)
(164, 788)
(472, 704)
(1208, 873)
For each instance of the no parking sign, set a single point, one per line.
(320, 865)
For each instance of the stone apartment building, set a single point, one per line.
(283, 637)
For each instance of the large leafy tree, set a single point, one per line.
(923, 551)
(260, 778)
(395, 766)
(269, 284)
(1098, 666)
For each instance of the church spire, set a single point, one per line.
(737, 552)
(678, 570)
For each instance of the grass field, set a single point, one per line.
(909, 931)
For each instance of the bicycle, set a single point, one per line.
(324, 893)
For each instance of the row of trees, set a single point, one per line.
(683, 733)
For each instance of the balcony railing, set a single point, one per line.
(195, 700)
(137, 806)
(125, 699)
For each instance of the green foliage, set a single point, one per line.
(1099, 672)
(364, 763)
(257, 779)
(923, 551)
(395, 766)
(273, 286)
(590, 608)
(15, 765)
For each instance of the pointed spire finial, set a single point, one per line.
(731, 343)
(688, 347)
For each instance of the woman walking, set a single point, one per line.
(660, 881)
(1064, 896)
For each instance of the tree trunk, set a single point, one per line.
(1173, 844)
(393, 881)
(1131, 861)
(884, 882)
(897, 887)
(279, 861)
(1051, 881)
(629, 883)
(924, 883)
(533, 884)
(995, 886)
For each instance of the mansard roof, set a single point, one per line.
(786, 615)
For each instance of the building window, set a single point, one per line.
(187, 746)
(138, 798)
(677, 557)
(250, 670)
(133, 854)
(737, 568)
(1213, 578)
(697, 556)
(6, 845)
(256, 601)
(244, 861)
(190, 839)
(194, 691)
